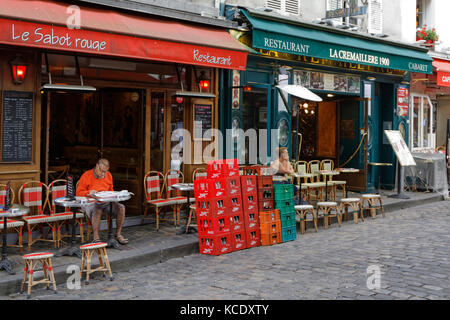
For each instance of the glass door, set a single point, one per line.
(157, 131)
(423, 128)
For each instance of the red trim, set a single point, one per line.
(36, 254)
(92, 244)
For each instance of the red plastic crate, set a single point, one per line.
(217, 188)
(201, 189)
(253, 237)
(214, 226)
(250, 202)
(233, 186)
(213, 208)
(237, 222)
(258, 170)
(235, 204)
(238, 240)
(264, 181)
(231, 167)
(215, 245)
(222, 168)
(265, 194)
(264, 205)
(248, 185)
(251, 219)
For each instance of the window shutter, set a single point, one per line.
(334, 5)
(375, 16)
(284, 6)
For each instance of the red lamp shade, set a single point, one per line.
(179, 100)
(19, 69)
(203, 82)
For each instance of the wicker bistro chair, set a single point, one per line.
(315, 185)
(369, 202)
(173, 195)
(14, 224)
(355, 204)
(328, 164)
(31, 195)
(154, 183)
(302, 216)
(57, 189)
(325, 209)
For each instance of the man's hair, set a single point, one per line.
(103, 161)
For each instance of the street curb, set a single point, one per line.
(125, 262)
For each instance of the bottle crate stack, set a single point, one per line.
(250, 210)
(284, 202)
(219, 209)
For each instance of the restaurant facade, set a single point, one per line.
(363, 81)
(80, 83)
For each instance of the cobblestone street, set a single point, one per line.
(411, 248)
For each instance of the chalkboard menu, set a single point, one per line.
(17, 126)
(202, 120)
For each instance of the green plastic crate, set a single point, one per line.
(290, 202)
(287, 220)
(289, 233)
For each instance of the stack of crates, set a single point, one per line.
(284, 201)
(250, 210)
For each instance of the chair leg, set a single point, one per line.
(381, 205)
(100, 260)
(44, 269)
(24, 279)
(80, 222)
(157, 219)
(83, 262)
(30, 278)
(52, 275)
(88, 265)
(20, 234)
(105, 256)
(30, 231)
(315, 219)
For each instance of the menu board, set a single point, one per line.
(202, 120)
(17, 126)
(401, 150)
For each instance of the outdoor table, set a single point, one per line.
(300, 176)
(326, 173)
(379, 164)
(72, 204)
(112, 196)
(187, 188)
(347, 170)
(16, 210)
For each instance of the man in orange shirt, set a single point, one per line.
(96, 180)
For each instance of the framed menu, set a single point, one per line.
(203, 115)
(17, 126)
(401, 150)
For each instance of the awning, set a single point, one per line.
(443, 72)
(441, 65)
(300, 91)
(346, 47)
(45, 24)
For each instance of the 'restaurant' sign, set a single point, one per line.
(443, 79)
(30, 34)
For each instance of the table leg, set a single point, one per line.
(73, 249)
(326, 188)
(111, 241)
(6, 264)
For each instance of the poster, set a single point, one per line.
(328, 82)
(236, 83)
(402, 102)
(401, 150)
(302, 78)
(340, 83)
(317, 80)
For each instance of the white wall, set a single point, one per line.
(399, 20)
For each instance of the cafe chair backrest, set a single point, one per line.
(3, 195)
(172, 177)
(34, 194)
(56, 189)
(314, 167)
(302, 167)
(153, 185)
(327, 164)
(199, 173)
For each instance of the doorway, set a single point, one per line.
(83, 127)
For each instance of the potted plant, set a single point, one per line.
(429, 35)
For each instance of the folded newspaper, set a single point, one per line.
(113, 195)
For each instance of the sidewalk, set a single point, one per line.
(148, 246)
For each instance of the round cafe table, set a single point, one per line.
(16, 210)
(116, 196)
(187, 188)
(379, 164)
(72, 204)
(300, 176)
(327, 173)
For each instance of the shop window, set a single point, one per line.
(423, 127)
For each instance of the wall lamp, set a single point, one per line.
(18, 69)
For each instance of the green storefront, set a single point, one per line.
(363, 81)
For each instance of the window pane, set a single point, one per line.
(426, 124)
(415, 122)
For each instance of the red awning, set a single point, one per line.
(44, 24)
(441, 65)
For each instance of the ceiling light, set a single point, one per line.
(330, 95)
(305, 105)
(371, 78)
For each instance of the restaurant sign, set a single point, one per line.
(328, 50)
(21, 33)
(443, 79)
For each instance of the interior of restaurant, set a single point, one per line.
(80, 126)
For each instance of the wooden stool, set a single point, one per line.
(326, 208)
(301, 211)
(31, 260)
(355, 203)
(87, 251)
(371, 200)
